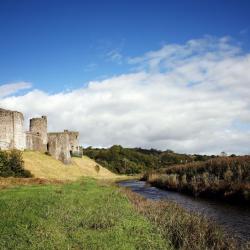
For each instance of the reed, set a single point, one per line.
(224, 177)
(182, 229)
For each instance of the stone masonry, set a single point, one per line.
(60, 145)
(12, 133)
(36, 137)
(73, 140)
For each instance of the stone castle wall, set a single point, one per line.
(36, 137)
(35, 142)
(59, 147)
(73, 140)
(12, 133)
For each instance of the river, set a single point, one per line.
(234, 219)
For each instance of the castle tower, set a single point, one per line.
(59, 146)
(11, 130)
(73, 141)
(38, 126)
(36, 137)
(62, 145)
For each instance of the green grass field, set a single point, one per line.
(79, 215)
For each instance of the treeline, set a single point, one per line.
(12, 164)
(225, 177)
(137, 160)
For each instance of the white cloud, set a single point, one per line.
(187, 97)
(11, 88)
(114, 56)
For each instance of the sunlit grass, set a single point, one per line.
(80, 215)
(44, 166)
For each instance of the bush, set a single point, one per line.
(76, 154)
(12, 164)
(97, 168)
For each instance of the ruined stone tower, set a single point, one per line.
(39, 126)
(36, 137)
(62, 145)
(59, 147)
(11, 130)
(73, 141)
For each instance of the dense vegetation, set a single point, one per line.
(79, 215)
(136, 160)
(226, 177)
(12, 164)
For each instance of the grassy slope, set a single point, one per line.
(80, 215)
(44, 166)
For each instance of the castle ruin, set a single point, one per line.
(12, 133)
(36, 137)
(60, 145)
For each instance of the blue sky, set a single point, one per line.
(162, 74)
(60, 45)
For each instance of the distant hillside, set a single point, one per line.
(137, 160)
(44, 166)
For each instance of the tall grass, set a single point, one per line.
(226, 177)
(184, 230)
